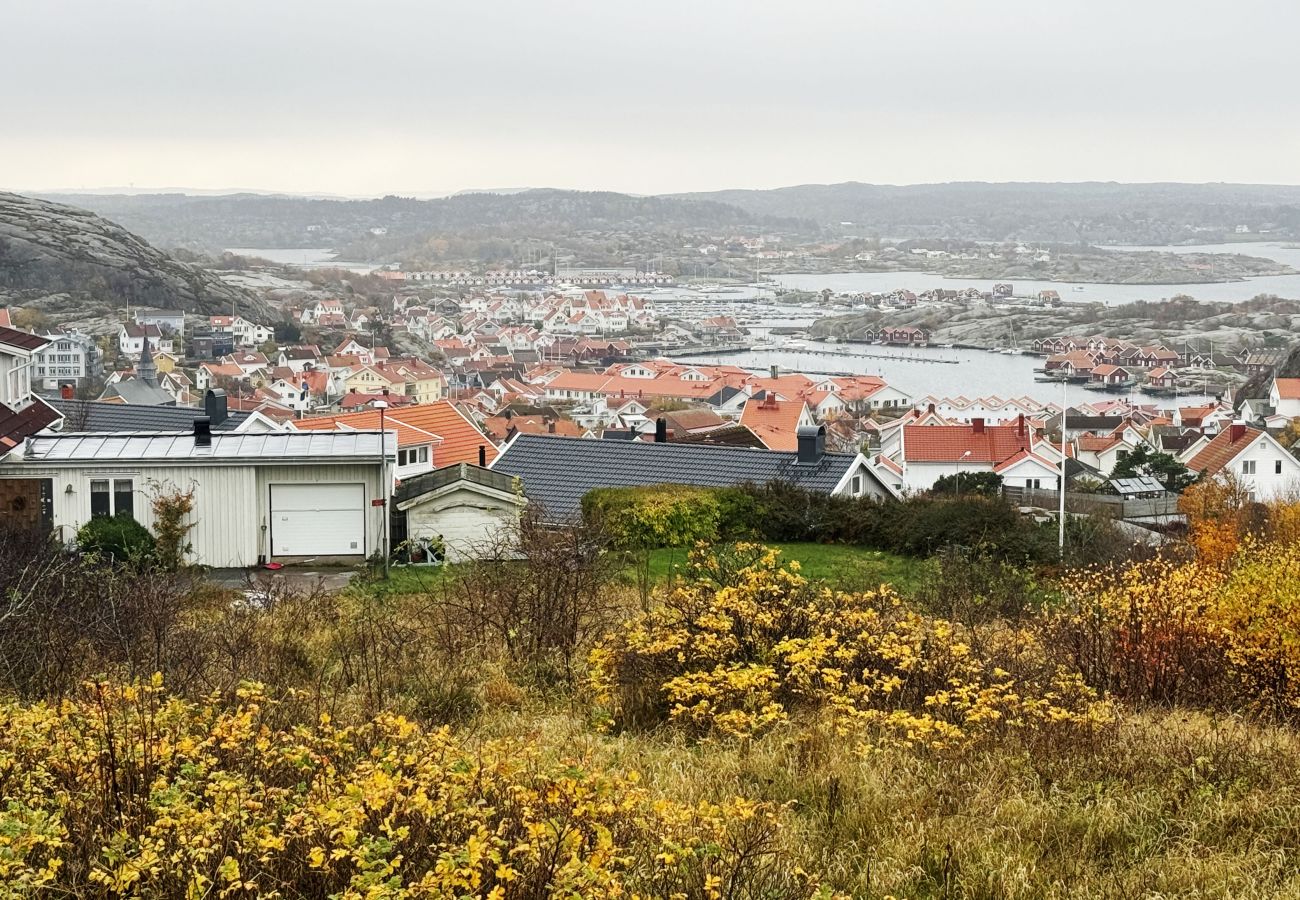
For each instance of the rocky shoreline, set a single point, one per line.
(1204, 326)
(1088, 266)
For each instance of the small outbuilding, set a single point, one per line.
(464, 507)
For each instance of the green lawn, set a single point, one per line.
(848, 568)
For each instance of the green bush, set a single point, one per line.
(120, 536)
(663, 515)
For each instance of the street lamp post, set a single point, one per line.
(382, 406)
(963, 456)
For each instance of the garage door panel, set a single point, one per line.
(318, 519)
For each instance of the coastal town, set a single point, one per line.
(503, 379)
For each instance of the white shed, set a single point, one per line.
(258, 497)
(468, 507)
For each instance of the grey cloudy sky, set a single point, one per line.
(400, 96)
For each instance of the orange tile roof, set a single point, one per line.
(948, 443)
(1223, 449)
(775, 422)
(461, 440)
(1096, 443)
(1288, 388)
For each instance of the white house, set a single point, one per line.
(1285, 397)
(258, 497)
(923, 454)
(1264, 467)
(69, 358)
(131, 338)
(169, 321)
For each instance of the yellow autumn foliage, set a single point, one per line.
(127, 791)
(742, 648)
(1219, 627)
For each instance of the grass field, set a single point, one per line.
(847, 568)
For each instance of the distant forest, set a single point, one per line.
(489, 227)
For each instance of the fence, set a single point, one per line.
(1095, 504)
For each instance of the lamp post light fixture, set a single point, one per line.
(963, 456)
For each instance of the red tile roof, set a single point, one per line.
(461, 440)
(948, 443)
(1288, 388)
(23, 340)
(15, 426)
(776, 422)
(1223, 449)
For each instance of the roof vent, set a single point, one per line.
(812, 444)
(202, 432)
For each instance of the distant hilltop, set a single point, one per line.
(57, 256)
(1086, 212)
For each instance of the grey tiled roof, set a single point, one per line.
(91, 415)
(558, 471)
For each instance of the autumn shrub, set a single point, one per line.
(1206, 628)
(747, 645)
(663, 515)
(127, 792)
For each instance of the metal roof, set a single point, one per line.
(92, 415)
(266, 448)
(1142, 484)
(558, 471)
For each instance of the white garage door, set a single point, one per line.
(318, 520)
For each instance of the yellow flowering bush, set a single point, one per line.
(747, 644)
(129, 792)
(1219, 628)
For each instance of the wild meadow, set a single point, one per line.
(758, 713)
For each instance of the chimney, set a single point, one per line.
(812, 444)
(977, 426)
(202, 432)
(214, 406)
(931, 409)
(1236, 431)
(550, 425)
(482, 456)
(66, 391)
(776, 372)
(661, 431)
(1020, 426)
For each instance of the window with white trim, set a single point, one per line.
(1248, 467)
(112, 497)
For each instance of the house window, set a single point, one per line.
(1277, 467)
(112, 498)
(100, 500)
(1248, 467)
(857, 485)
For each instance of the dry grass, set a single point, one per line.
(1168, 804)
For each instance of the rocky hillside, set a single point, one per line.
(1203, 325)
(73, 265)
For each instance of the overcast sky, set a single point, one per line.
(422, 96)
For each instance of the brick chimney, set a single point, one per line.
(977, 426)
(1020, 426)
(66, 391)
(1236, 431)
